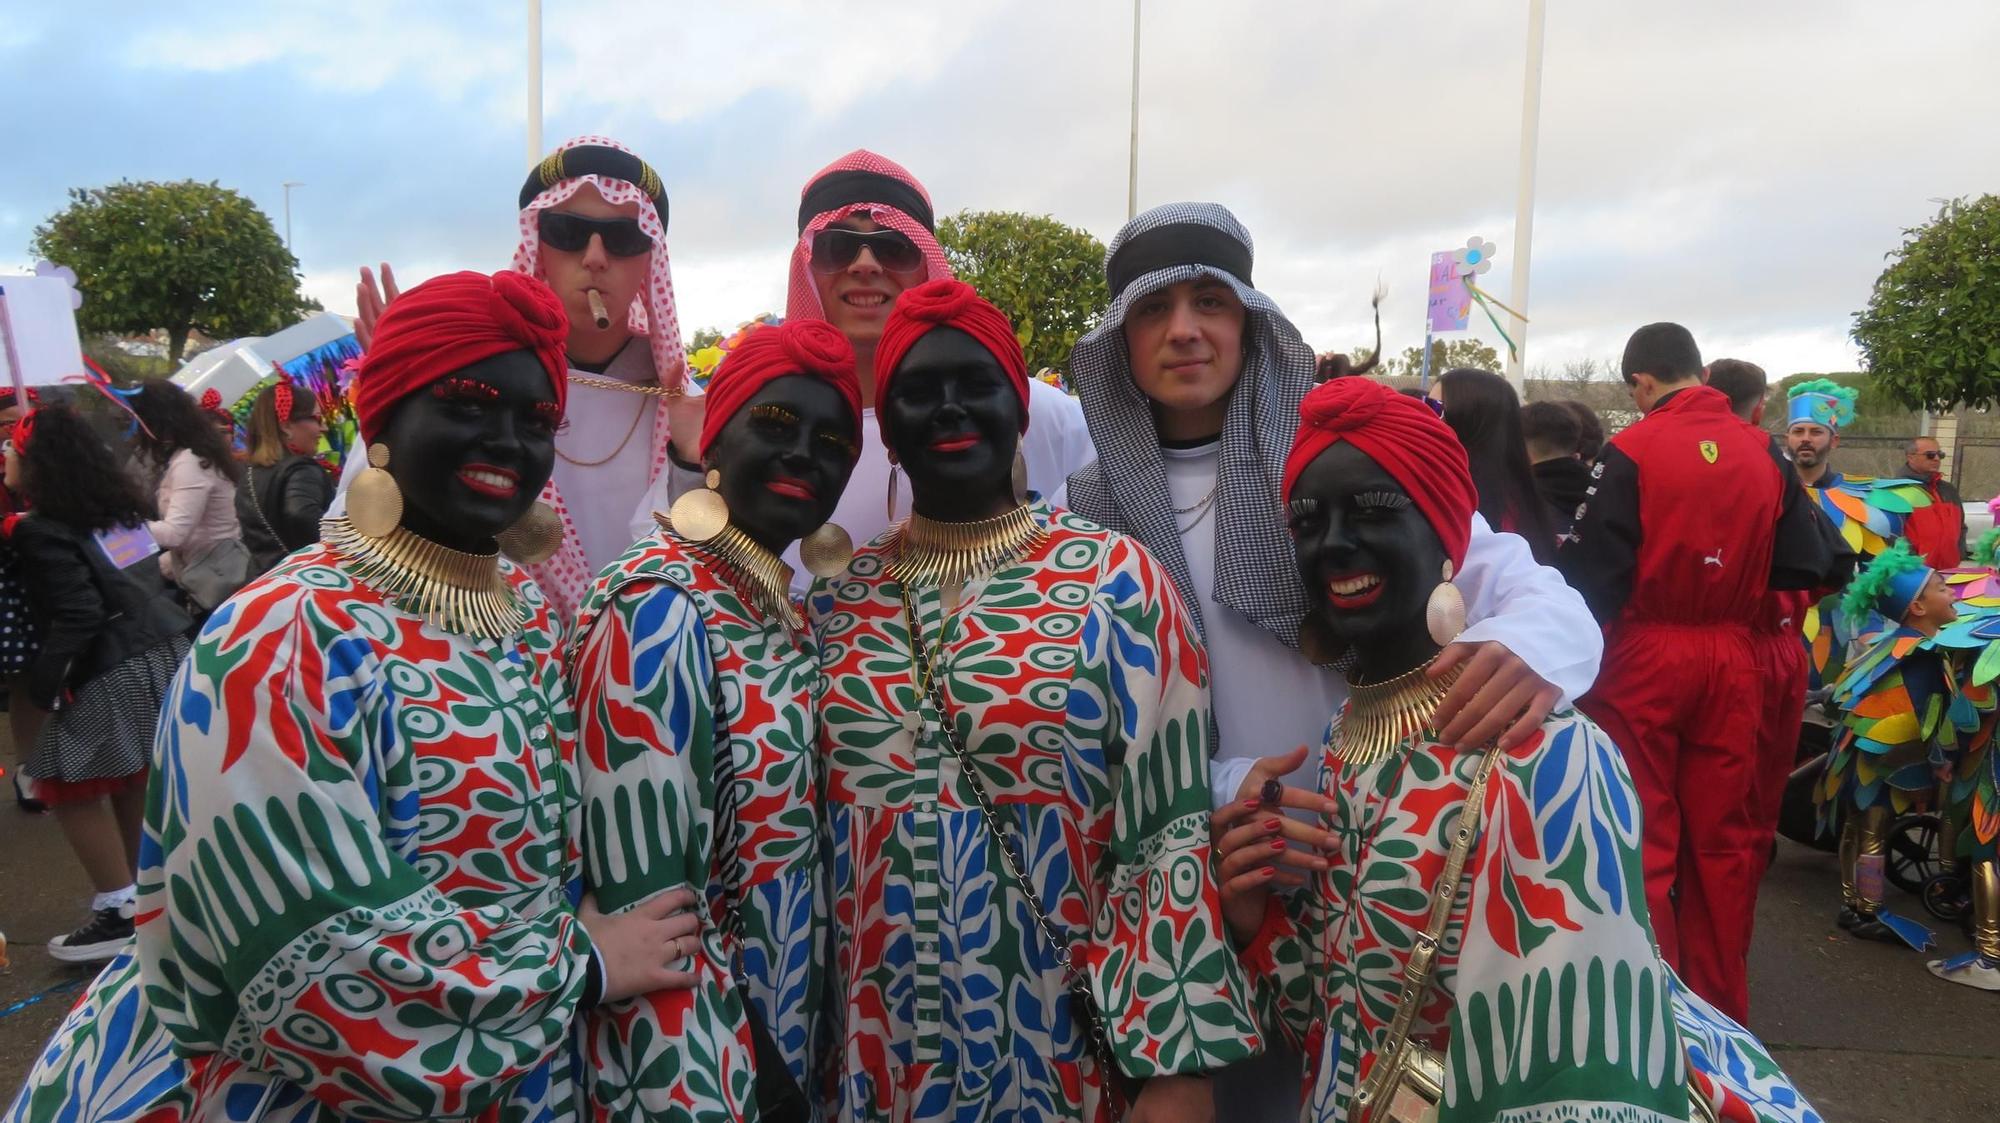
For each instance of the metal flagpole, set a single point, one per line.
(1132, 175)
(534, 82)
(1524, 191)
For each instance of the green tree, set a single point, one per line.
(1445, 354)
(1931, 331)
(1047, 277)
(704, 337)
(176, 256)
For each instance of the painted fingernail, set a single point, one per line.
(1252, 803)
(1268, 872)
(1274, 824)
(1277, 844)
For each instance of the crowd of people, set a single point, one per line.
(891, 736)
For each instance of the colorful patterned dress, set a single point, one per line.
(669, 660)
(1081, 689)
(1550, 1002)
(354, 883)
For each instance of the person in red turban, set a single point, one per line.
(689, 657)
(1381, 505)
(949, 304)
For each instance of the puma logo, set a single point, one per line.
(1714, 559)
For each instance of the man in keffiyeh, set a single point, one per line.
(1191, 384)
(593, 220)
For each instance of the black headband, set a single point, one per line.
(1177, 243)
(596, 159)
(835, 190)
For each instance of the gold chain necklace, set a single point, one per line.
(450, 589)
(596, 383)
(947, 555)
(631, 429)
(1381, 715)
(753, 569)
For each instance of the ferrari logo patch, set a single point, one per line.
(1709, 452)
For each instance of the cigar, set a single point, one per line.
(597, 311)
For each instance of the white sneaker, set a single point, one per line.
(1968, 970)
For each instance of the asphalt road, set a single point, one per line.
(1868, 1034)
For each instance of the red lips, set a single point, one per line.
(954, 444)
(792, 489)
(500, 483)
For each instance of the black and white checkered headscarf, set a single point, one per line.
(1126, 489)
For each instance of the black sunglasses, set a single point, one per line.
(571, 233)
(837, 247)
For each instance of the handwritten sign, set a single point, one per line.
(127, 546)
(1450, 303)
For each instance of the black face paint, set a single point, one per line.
(785, 458)
(1355, 528)
(954, 422)
(471, 451)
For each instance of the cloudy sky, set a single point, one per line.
(1740, 167)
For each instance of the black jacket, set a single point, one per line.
(1562, 483)
(90, 615)
(280, 507)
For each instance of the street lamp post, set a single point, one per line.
(289, 184)
(534, 82)
(1132, 174)
(1524, 192)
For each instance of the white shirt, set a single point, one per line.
(1057, 443)
(1267, 700)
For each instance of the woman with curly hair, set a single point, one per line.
(196, 495)
(109, 646)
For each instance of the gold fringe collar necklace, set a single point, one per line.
(758, 573)
(1381, 716)
(450, 589)
(947, 555)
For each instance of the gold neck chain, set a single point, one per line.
(755, 570)
(1382, 715)
(596, 383)
(456, 591)
(947, 555)
(638, 416)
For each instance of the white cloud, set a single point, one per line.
(1741, 168)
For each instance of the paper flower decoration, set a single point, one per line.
(68, 275)
(1475, 258)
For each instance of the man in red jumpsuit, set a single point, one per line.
(1692, 518)
(1937, 532)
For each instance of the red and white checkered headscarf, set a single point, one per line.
(566, 575)
(803, 299)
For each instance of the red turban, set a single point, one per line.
(449, 323)
(947, 304)
(1402, 435)
(809, 347)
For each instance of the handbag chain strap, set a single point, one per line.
(1075, 979)
(1418, 973)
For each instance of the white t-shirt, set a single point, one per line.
(1266, 699)
(1056, 444)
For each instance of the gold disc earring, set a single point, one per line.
(534, 537)
(374, 502)
(1444, 612)
(700, 515)
(827, 550)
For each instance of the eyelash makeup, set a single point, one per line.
(470, 389)
(550, 412)
(1302, 508)
(768, 412)
(1381, 501)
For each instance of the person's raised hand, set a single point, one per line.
(1496, 696)
(1258, 846)
(370, 300)
(646, 948)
